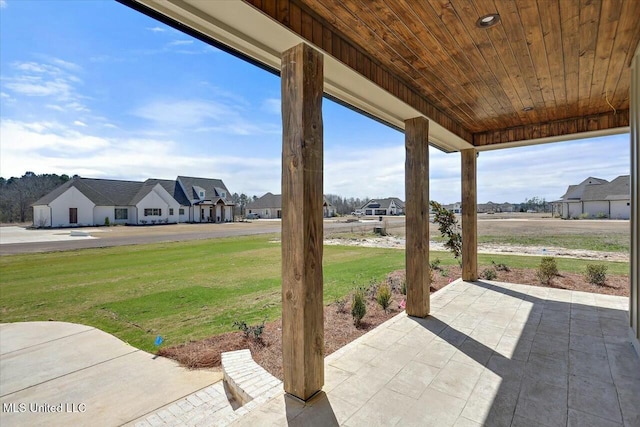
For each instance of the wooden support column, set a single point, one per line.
(469, 216)
(417, 216)
(634, 291)
(302, 153)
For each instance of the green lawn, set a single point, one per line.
(187, 290)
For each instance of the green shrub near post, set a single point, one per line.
(358, 306)
(384, 296)
(547, 270)
(596, 274)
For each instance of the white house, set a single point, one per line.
(270, 206)
(87, 201)
(388, 206)
(597, 198)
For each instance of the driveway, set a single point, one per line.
(57, 373)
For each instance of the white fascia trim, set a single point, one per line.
(559, 138)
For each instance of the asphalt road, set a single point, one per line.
(121, 236)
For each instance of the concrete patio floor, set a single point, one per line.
(493, 354)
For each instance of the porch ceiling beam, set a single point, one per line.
(611, 123)
(417, 216)
(302, 227)
(469, 216)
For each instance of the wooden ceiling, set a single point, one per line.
(566, 61)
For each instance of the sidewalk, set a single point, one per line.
(56, 373)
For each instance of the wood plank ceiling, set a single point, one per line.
(548, 68)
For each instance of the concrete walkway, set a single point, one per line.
(56, 373)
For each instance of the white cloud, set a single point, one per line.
(180, 43)
(202, 116)
(3, 4)
(156, 29)
(4, 95)
(80, 124)
(46, 80)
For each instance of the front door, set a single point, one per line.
(73, 215)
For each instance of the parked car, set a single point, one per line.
(252, 216)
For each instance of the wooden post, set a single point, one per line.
(634, 276)
(469, 216)
(417, 216)
(302, 152)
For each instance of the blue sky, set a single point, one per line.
(96, 89)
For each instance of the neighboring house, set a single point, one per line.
(269, 206)
(388, 206)
(87, 201)
(495, 207)
(453, 207)
(596, 198)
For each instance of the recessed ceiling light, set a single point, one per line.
(487, 21)
(525, 109)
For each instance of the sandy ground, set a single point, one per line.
(399, 243)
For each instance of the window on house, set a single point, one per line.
(224, 195)
(202, 194)
(121, 213)
(152, 212)
(180, 211)
(170, 211)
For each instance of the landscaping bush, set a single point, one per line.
(341, 305)
(404, 287)
(358, 306)
(449, 228)
(489, 274)
(596, 274)
(248, 330)
(384, 297)
(499, 266)
(547, 270)
(435, 264)
(106, 221)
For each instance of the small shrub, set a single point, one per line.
(583, 216)
(358, 306)
(489, 274)
(372, 289)
(106, 221)
(404, 287)
(596, 274)
(601, 215)
(384, 297)
(435, 264)
(341, 305)
(547, 270)
(500, 266)
(248, 330)
(444, 272)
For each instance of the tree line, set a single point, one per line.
(18, 194)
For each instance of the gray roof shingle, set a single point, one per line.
(110, 192)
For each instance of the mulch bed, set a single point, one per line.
(339, 329)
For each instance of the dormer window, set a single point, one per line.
(223, 195)
(202, 194)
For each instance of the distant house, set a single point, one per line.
(88, 201)
(269, 206)
(596, 198)
(388, 206)
(495, 207)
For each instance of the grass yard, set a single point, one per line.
(188, 290)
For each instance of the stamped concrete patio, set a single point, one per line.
(493, 354)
